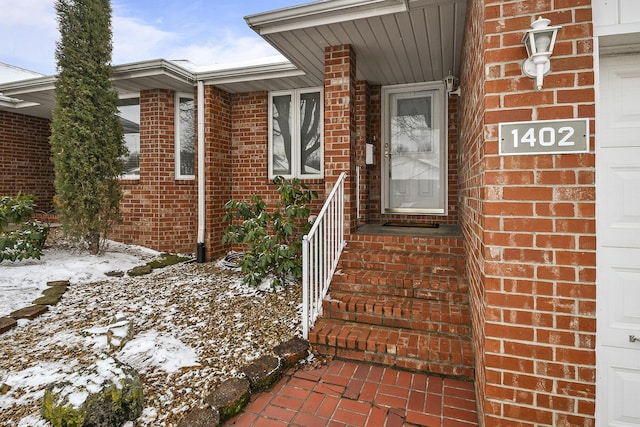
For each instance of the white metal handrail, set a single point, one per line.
(321, 249)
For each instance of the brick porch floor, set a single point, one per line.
(344, 393)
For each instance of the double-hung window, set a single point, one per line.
(129, 112)
(184, 137)
(295, 133)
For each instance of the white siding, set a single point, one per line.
(613, 17)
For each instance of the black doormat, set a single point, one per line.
(408, 224)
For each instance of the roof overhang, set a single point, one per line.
(268, 75)
(395, 41)
(36, 97)
(155, 74)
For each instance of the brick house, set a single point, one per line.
(545, 322)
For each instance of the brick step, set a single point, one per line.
(420, 351)
(397, 260)
(452, 244)
(401, 283)
(399, 312)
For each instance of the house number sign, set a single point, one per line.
(544, 137)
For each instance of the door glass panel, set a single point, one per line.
(414, 154)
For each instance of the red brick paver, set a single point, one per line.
(344, 393)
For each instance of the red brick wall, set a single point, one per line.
(25, 158)
(246, 130)
(158, 210)
(470, 177)
(374, 172)
(250, 150)
(218, 166)
(250, 147)
(530, 221)
(340, 124)
(364, 135)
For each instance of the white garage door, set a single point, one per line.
(618, 253)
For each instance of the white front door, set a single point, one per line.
(618, 236)
(415, 152)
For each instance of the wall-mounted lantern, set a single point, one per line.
(450, 83)
(539, 41)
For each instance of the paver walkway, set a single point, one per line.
(345, 393)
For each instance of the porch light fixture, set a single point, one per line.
(450, 82)
(539, 41)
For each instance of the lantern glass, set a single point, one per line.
(449, 82)
(543, 41)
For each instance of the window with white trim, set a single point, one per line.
(184, 137)
(129, 112)
(295, 133)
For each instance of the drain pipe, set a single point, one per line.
(200, 254)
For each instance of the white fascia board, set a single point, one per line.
(39, 84)
(152, 68)
(321, 13)
(14, 103)
(256, 72)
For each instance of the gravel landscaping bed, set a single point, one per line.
(194, 326)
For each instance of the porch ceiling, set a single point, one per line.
(396, 41)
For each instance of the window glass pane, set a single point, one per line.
(411, 127)
(186, 136)
(129, 112)
(310, 152)
(281, 135)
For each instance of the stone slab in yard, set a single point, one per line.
(58, 283)
(229, 397)
(47, 300)
(201, 417)
(292, 351)
(7, 323)
(55, 290)
(29, 312)
(263, 372)
(140, 270)
(114, 273)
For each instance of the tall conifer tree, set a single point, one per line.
(86, 134)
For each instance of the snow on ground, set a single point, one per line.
(193, 326)
(23, 281)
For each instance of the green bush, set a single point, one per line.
(273, 241)
(20, 238)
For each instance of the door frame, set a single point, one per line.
(441, 102)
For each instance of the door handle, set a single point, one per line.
(633, 338)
